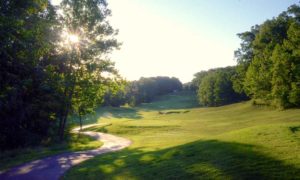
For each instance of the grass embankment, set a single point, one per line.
(75, 142)
(173, 140)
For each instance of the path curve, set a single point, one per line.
(53, 167)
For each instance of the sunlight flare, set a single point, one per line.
(70, 40)
(73, 38)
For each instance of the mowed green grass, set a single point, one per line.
(75, 142)
(173, 139)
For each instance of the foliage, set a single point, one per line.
(85, 58)
(26, 78)
(45, 75)
(198, 77)
(215, 87)
(146, 89)
(115, 95)
(269, 60)
(244, 56)
(267, 68)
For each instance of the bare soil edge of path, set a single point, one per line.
(54, 167)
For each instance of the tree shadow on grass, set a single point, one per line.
(210, 159)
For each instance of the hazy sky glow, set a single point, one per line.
(181, 37)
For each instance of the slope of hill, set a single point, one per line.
(174, 139)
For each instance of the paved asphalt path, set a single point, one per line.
(53, 167)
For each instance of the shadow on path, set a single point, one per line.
(53, 167)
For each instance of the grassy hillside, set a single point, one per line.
(173, 139)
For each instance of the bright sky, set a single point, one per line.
(181, 37)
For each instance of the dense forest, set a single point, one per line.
(268, 67)
(52, 64)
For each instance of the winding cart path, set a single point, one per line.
(54, 167)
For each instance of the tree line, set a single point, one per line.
(268, 67)
(269, 60)
(143, 90)
(215, 87)
(53, 61)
